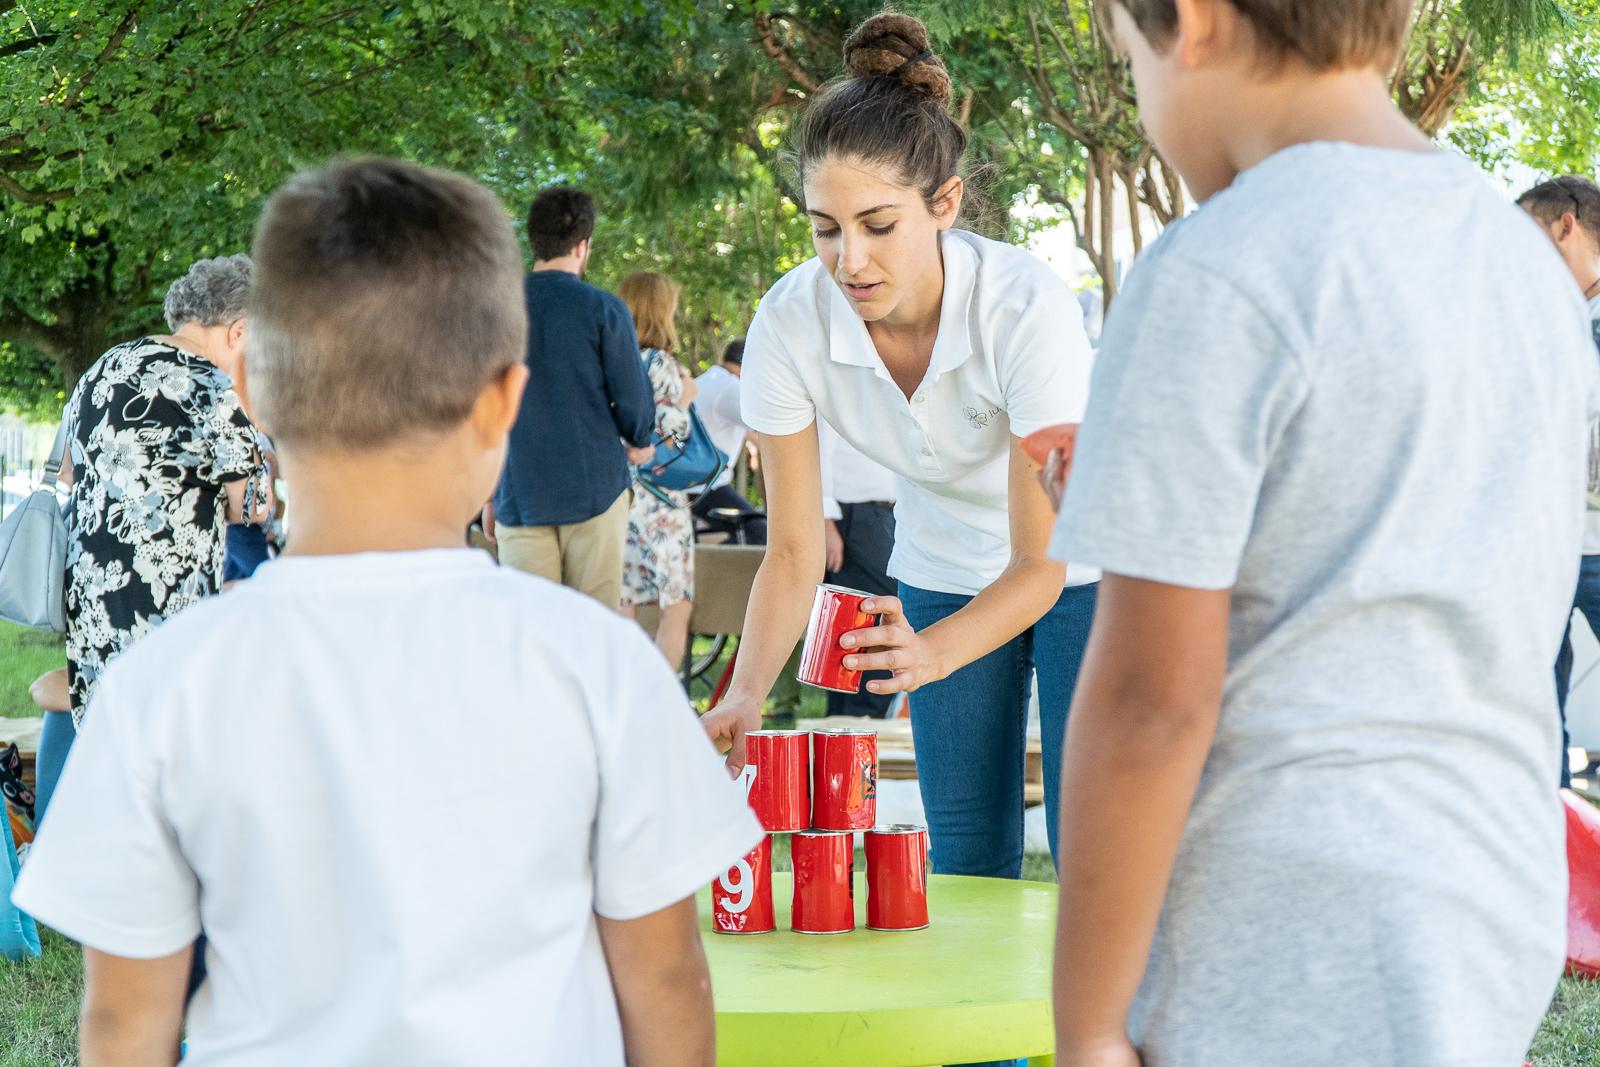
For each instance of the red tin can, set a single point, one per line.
(741, 897)
(778, 770)
(844, 787)
(835, 611)
(897, 877)
(824, 882)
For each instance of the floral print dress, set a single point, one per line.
(154, 433)
(658, 562)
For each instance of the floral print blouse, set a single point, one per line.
(154, 434)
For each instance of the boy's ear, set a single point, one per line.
(495, 410)
(1202, 30)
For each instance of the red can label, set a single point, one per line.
(741, 897)
(844, 787)
(824, 882)
(835, 611)
(778, 778)
(897, 877)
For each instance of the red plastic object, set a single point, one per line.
(1039, 444)
(897, 877)
(844, 786)
(741, 897)
(1583, 893)
(779, 762)
(824, 873)
(835, 611)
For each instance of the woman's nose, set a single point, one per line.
(852, 255)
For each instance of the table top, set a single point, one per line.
(973, 986)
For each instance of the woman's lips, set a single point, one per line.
(861, 292)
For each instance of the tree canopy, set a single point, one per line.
(138, 137)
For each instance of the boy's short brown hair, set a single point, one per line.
(385, 297)
(1326, 34)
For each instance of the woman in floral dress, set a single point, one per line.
(162, 456)
(658, 562)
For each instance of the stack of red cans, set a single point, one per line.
(822, 787)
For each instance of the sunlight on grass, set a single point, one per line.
(24, 655)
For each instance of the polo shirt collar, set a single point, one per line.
(851, 344)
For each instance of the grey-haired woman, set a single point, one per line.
(162, 455)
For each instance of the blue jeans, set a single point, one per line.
(1586, 600)
(54, 744)
(970, 732)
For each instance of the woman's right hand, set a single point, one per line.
(727, 723)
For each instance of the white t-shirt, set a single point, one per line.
(718, 406)
(394, 789)
(848, 477)
(1354, 388)
(1011, 358)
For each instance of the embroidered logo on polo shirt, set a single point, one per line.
(979, 419)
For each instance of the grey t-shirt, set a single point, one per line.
(1354, 387)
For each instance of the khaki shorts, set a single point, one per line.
(587, 556)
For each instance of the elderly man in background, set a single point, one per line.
(1567, 208)
(161, 457)
(718, 406)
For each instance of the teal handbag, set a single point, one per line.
(33, 554)
(19, 935)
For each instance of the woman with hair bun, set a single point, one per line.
(933, 351)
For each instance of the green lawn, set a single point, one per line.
(24, 655)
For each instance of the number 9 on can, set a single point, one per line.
(741, 897)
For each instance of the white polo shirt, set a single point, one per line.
(718, 407)
(1011, 358)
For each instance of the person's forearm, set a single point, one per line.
(1138, 733)
(1020, 597)
(108, 1040)
(780, 604)
(663, 988)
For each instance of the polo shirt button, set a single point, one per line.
(923, 452)
(920, 398)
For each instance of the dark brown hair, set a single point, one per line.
(892, 109)
(1326, 34)
(1550, 200)
(558, 219)
(385, 297)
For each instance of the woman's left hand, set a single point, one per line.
(892, 645)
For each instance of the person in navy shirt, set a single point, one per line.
(561, 509)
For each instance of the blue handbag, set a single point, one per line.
(693, 464)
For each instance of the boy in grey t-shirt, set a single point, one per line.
(1332, 467)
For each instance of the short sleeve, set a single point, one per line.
(1043, 361)
(669, 819)
(106, 869)
(232, 438)
(1191, 394)
(773, 399)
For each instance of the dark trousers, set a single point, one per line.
(868, 533)
(1586, 600)
(726, 496)
(247, 550)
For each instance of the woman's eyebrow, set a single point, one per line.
(875, 210)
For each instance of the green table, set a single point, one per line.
(974, 986)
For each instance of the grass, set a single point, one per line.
(24, 655)
(39, 1006)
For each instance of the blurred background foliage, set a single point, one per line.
(139, 137)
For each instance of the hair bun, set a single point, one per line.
(895, 46)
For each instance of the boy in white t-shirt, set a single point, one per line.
(1333, 468)
(261, 767)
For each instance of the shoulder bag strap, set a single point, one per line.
(52, 466)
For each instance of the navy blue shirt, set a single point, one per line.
(587, 389)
